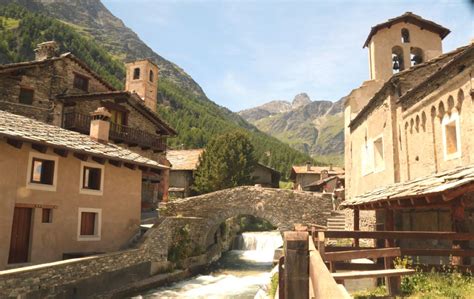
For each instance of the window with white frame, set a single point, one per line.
(89, 224)
(42, 172)
(92, 178)
(379, 162)
(451, 136)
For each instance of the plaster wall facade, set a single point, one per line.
(119, 206)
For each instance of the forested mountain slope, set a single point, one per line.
(195, 117)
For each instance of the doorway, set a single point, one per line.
(20, 236)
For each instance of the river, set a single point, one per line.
(238, 274)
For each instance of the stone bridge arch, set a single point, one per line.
(282, 208)
(203, 214)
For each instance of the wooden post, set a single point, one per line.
(356, 224)
(459, 225)
(281, 277)
(392, 283)
(296, 265)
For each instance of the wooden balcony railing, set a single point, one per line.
(118, 133)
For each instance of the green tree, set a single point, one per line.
(228, 161)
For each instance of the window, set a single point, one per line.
(81, 82)
(451, 136)
(92, 178)
(26, 96)
(405, 36)
(42, 172)
(366, 159)
(379, 163)
(136, 73)
(152, 76)
(47, 215)
(89, 224)
(117, 117)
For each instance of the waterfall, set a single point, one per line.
(258, 246)
(240, 274)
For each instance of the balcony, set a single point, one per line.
(118, 133)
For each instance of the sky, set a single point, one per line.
(244, 53)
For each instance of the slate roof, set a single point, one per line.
(320, 182)
(317, 170)
(29, 130)
(184, 159)
(28, 64)
(420, 187)
(412, 18)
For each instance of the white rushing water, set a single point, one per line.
(240, 273)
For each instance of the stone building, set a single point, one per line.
(64, 194)
(185, 162)
(304, 176)
(410, 125)
(61, 90)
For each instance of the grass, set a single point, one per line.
(286, 185)
(274, 285)
(449, 283)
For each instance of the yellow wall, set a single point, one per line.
(120, 205)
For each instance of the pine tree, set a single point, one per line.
(228, 161)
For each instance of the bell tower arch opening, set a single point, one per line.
(402, 42)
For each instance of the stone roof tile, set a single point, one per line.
(30, 130)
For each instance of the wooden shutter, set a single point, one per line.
(88, 223)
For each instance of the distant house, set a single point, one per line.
(65, 194)
(304, 176)
(185, 162)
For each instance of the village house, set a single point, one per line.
(64, 194)
(185, 162)
(409, 146)
(308, 176)
(61, 90)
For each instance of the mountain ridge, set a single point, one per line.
(313, 127)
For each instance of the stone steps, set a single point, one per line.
(336, 221)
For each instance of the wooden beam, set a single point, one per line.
(116, 163)
(61, 152)
(15, 143)
(433, 235)
(437, 252)
(39, 148)
(356, 225)
(82, 157)
(363, 253)
(144, 168)
(452, 194)
(130, 166)
(99, 160)
(373, 274)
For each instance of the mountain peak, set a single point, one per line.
(300, 100)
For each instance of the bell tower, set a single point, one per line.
(401, 43)
(142, 78)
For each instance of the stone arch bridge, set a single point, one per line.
(202, 215)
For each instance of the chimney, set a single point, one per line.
(308, 166)
(330, 167)
(100, 125)
(46, 50)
